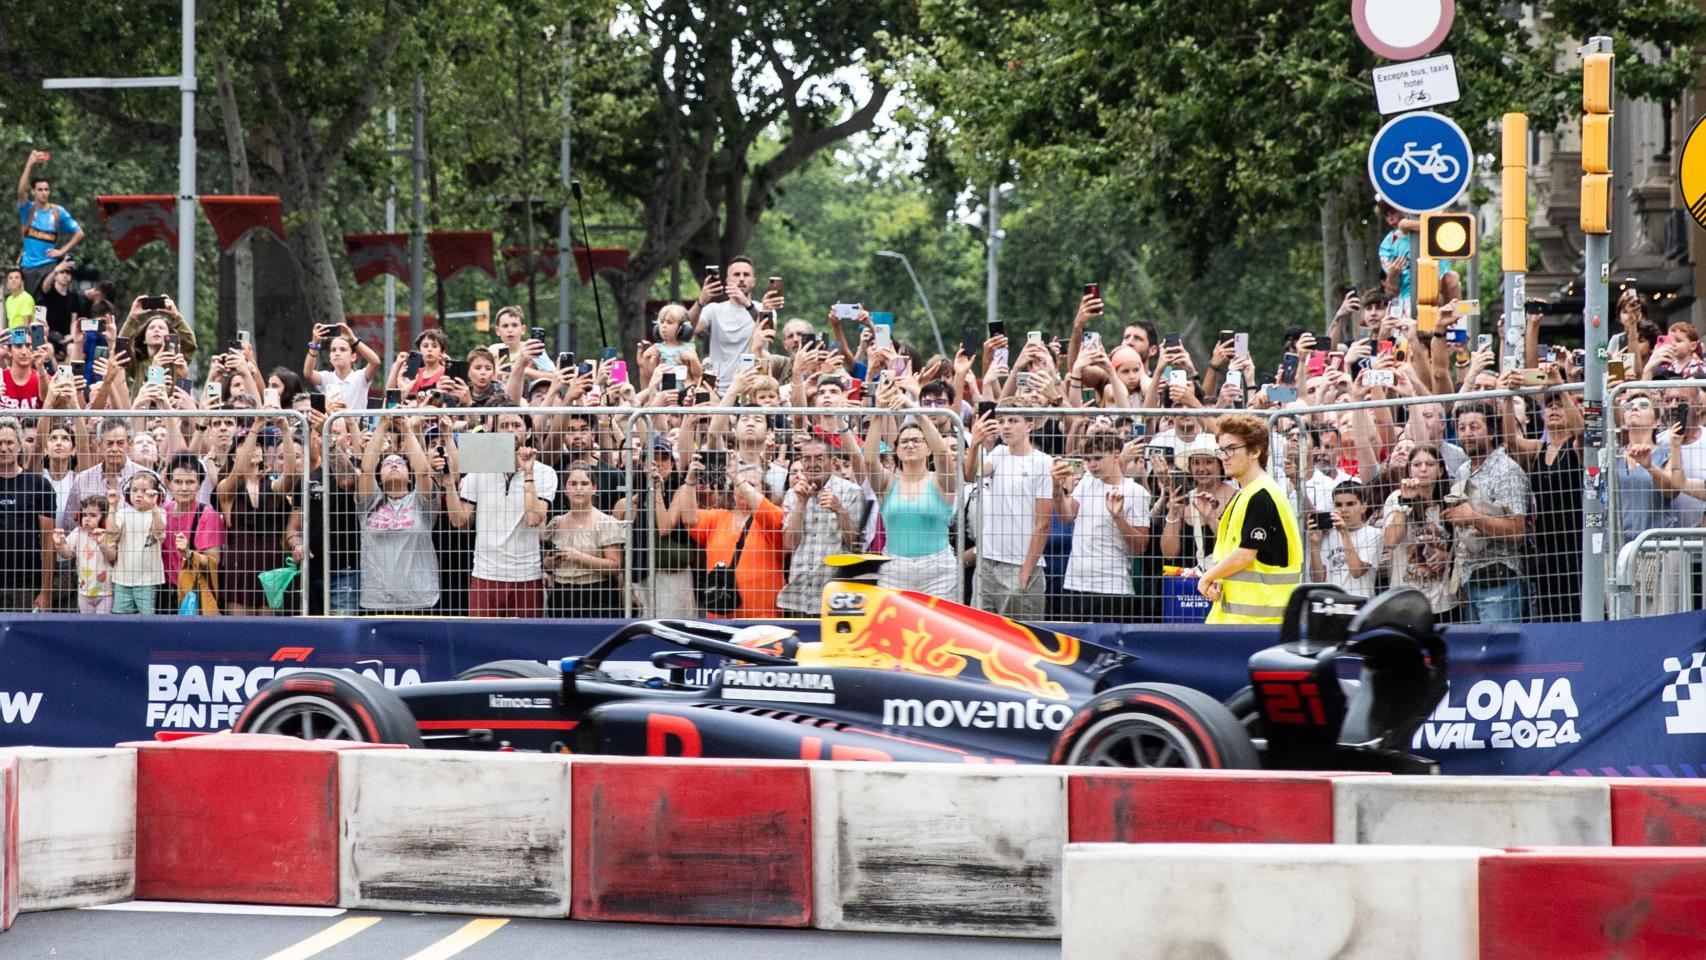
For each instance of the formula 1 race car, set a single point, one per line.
(899, 675)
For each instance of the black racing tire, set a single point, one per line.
(508, 670)
(1155, 725)
(330, 705)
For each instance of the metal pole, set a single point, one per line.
(390, 227)
(993, 242)
(186, 170)
(1513, 236)
(1596, 456)
(417, 235)
(1472, 273)
(931, 314)
(565, 245)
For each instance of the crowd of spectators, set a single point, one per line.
(1072, 477)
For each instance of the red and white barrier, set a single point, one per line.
(1658, 812)
(244, 818)
(692, 841)
(455, 832)
(76, 826)
(1472, 811)
(8, 841)
(1299, 902)
(1635, 903)
(1199, 806)
(919, 847)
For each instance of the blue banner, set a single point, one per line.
(1626, 698)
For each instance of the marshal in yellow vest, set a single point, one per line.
(1259, 593)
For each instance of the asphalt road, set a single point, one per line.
(125, 934)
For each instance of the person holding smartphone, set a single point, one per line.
(24, 380)
(727, 314)
(420, 370)
(340, 347)
(159, 337)
(58, 293)
(41, 222)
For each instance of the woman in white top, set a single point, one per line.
(341, 350)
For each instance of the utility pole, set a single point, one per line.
(417, 235)
(565, 246)
(993, 241)
(390, 227)
(1596, 270)
(186, 84)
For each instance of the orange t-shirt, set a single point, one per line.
(760, 569)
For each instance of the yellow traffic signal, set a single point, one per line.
(1596, 143)
(1596, 203)
(1427, 280)
(1448, 236)
(482, 316)
(1596, 83)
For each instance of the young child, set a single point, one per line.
(134, 528)
(672, 348)
(87, 542)
(1349, 555)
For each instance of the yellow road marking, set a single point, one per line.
(465, 936)
(330, 937)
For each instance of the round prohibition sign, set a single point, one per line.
(1691, 172)
(1402, 29)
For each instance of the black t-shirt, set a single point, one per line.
(24, 499)
(1263, 530)
(60, 307)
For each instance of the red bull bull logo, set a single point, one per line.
(908, 632)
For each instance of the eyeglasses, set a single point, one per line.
(1638, 403)
(933, 402)
(1230, 449)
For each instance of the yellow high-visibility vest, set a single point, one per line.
(1259, 593)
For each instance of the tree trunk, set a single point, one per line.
(1332, 259)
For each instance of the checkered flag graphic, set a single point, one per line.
(1688, 692)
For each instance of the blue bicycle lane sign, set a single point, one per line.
(1420, 162)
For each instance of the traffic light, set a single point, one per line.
(1596, 143)
(482, 316)
(1448, 236)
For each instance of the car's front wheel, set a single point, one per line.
(1157, 725)
(330, 705)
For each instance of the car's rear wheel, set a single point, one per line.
(1157, 725)
(330, 705)
(509, 670)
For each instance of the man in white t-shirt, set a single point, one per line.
(1016, 503)
(726, 313)
(508, 511)
(1350, 554)
(1109, 513)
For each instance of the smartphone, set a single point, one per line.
(155, 302)
(1235, 379)
(101, 353)
(412, 365)
(317, 402)
(1170, 340)
(1467, 307)
(748, 360)
(1093, 290)
(1288, 369)
(19, 337)
(846, 311)
(215, 391)
(456, 370)
(393, 398)
(619, 371)
(1660, 344)
(1381, 378)
(88, 325)
(1076, 466)
(985, 408)
(62, 373)
(1241, 345)
(902, 365)
(1000, 356)
(585, 368)
(1225, 336)
(41, 314)
(1139, 429)
(1387, 347)
(882, 336)
(998, 328)
(536, 333)
(1092, 339)
(38, 335)
(775, 286)
(1322, 520)
(157, 376)
(1615, 368)
(1533, 377)
(1317, 362)
(270, 398)
(670, 381)
(1483, 342)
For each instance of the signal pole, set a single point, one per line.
(1596, 229)
(1513, 242)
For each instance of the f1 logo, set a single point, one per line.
(299, 654)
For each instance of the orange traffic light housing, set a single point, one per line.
(1448, 236)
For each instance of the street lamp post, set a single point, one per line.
(185, 82)
(993, 241)
(920, 288)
